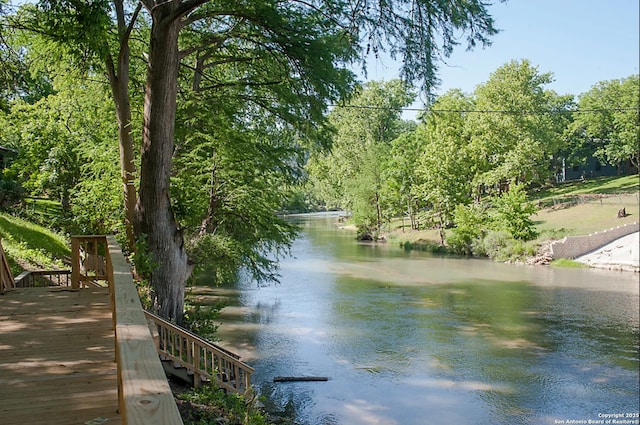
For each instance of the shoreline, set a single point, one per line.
(622, 254)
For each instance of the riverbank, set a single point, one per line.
(556, 219)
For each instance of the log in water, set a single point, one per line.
(300, 379)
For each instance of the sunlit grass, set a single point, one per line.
(564, 213)
(586, 217)
(603, 185)
(565, 262)
(29, 245)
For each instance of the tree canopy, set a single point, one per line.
(219, 105)
(351, 174)
(286, 60)
(612, 124)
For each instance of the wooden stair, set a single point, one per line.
(195, 360)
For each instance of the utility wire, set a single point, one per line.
(489, 111)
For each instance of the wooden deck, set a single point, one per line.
(57, 357)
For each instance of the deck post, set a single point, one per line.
(75, 263)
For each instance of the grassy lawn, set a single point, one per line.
(575, 208)
(586, 217)
(29, 245)
(603, 185)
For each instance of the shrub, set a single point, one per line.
(201, 320)
(513, 213)
(494, 245)
(470, 226)
(11, 193)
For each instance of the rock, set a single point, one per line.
(543, 256)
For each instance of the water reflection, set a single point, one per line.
(411, 339)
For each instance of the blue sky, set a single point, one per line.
(581, 42)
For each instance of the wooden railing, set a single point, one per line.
(89, 261)
(207, 361)
(36, 278)
(143, 390)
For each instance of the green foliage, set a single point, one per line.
(143, 265)
(566, 263)
(444, 171)
(208, 404)
(228, 183)
(141, 258)
(512, 212)
(65, 151)
(351, 175)
(498, 232)
(516, 142)
(398, 177)
(471, 225)
(425, 246)
(77, 32)
(11, 193)
(501, 246)
(494, 244)
(202, 320)
(612, 130)
(220, 255)
(46, 163)
(97, 198)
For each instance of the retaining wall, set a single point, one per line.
(575, 246)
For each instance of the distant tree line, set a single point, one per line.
(470, 160)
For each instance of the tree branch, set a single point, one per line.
(241, 83)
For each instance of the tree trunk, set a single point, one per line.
(154, 215)
(120, 90)
(118, 75)
(378, 214)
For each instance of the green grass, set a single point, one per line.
(43, 211)
(205, 405)
(576, 208)
(603, 185)
(587, 216)
(29, 245)
(564, 262)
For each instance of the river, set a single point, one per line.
(407, 338)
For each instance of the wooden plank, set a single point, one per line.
(57, 348)
(75, 263)
(48, 302)
(146, 397)
(57, 357)
(21, 375)
(52, 411)
(80, 390)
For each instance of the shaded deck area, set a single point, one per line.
(57, 357)
(89, 354)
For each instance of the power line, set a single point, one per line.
(490, 111)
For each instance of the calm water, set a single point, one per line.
(405, 338)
